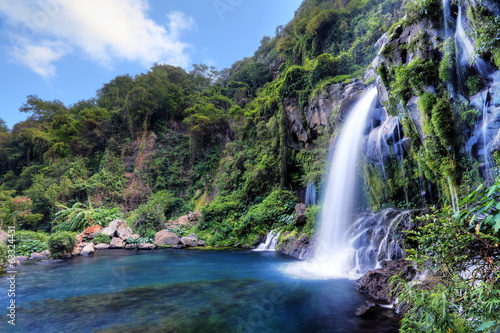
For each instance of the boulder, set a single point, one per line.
(134, 236)
(123, 232)
(187, 220)
(368, 309)
(189, 242)
(146, 246)
(110, 230)
(300, 217)
(101, 246)
(165, 237)
(116, 243)
(131, 246)
(91, 232)
(3, 235)
(77, 250)
(42, 255)
(21, 258)
(376, 283)
(88, 250)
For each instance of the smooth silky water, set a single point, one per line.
(181, 291)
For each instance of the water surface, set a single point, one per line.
(181, 291)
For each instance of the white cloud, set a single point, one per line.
(106, 31)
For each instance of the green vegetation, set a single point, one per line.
(4, 255)
(459, 250)
(80, 216)
(101, 238)
(61, 243)
(27, 242)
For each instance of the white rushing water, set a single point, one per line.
(310, 194)
(332, 253)
(270, 242)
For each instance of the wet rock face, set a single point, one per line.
(298, 246)
(327, 108)
(384, 142)
(485, 138)
(376, 283)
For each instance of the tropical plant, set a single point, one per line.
(80, 216)
(3, 254)
(459, 251)
(27, 242)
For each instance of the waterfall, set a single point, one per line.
(468, 55)
(375, 237)
(270, 243)
(330, 258)
(310, 195)
(446, 17)
(487, 165)
(462, 39)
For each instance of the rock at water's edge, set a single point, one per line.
(88, 250)
(116, 243)
(376, 283)
(165, 237)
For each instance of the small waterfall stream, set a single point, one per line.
(310, 195)
(270, 242)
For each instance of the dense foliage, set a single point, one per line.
(61, 243)
(458, 252)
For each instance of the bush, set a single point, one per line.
(474, 84)
(61, 243)
(28, 242)
(101, 238)
(459, 251)
(3, 255)
(276, 210)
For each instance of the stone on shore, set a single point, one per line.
(101, 246)
(88, 250)
(116, 243)
(189, 241)
(146, 246)
(91, 232)
(165, 237)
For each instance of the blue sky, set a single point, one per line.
(67, 49)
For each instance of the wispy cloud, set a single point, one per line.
(44, 31)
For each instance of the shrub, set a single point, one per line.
(101, 238)
(61, 243)
(459, 251)
(276, 210)
(474, 84)
(80, 216)
(28, 242)
(3, 254)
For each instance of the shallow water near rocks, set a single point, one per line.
(181, 291)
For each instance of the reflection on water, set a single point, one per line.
(182, 291)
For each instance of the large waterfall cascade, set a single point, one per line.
(344, 247)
